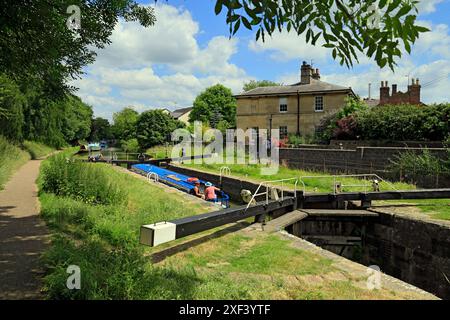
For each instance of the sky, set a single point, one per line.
(188, 49)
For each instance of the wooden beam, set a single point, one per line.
(154, 234)
(285, 220)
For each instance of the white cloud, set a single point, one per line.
(427, 6)
(286, 46)
(159, 66)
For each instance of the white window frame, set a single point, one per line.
(283, 102)
(316, 104)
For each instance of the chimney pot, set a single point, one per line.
(394, 88)
(417, 81)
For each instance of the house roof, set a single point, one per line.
(179, 112)
(312, 87)
(372, 102)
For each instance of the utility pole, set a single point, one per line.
(370, 85)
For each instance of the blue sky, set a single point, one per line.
(167, 65)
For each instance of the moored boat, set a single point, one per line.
(179, 181)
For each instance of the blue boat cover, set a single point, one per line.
(177, 180)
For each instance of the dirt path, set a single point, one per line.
(23, 236)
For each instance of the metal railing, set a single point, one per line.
(270, 185)
(224, 171)
(362, 177)
(154, 175)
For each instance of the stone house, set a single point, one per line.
(293, 109)
(182, 114)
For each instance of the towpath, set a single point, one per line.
(23, 236)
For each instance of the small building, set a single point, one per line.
(412, 96)
(182, 114)
(296, 108)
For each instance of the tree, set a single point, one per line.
(154, 127)
(375, 28)
(215, 103)
(124, 126)
(42, 40)
(252, 84)
(77, 120)
(12, 102)
(100, 129)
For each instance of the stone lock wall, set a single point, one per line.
(413, 250)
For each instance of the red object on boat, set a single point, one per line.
(192, 179)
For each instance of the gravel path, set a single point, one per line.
(23, 236)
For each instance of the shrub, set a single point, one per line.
(131, 145)
(37, 150)
(412, 163)
(85, 182)
(11, 158)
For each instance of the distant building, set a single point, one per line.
(165, 110)
(182, 114)
(296, 108)
(412, 96)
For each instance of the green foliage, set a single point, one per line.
(346, 28)
(154, 127)
(11, 158)
(215, 100)
(404, 122)
(84, 182)
(252, 84)
(12, 102)
(37, 150)
(297, 140)
(100, 130)
(424, 163)
(77, 119)
(131, 145)
(329, 126)
(37, 45)
(388, 122)
(124, 127)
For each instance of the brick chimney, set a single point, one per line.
(384, 92)
(414, 92)
(394, 89)
(305, 73)
(316, 74)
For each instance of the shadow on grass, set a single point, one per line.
(165, 253)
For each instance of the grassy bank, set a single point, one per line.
(37, 150)
(11, 159)
(314, 182)
(95, 211)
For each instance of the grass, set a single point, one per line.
(11, 159)
(159, 152)
(37, 150)
(101, 237)
(314, 183)
(435, 208)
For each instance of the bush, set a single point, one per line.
(404, 122)
(82, 181)
(131, 145)
(11, 158)
(37, 150)
(411, 163)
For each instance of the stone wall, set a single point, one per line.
(358, 161)
(413, 250)
(353, 144)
